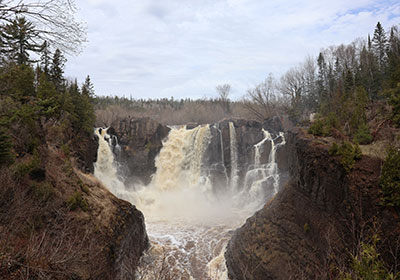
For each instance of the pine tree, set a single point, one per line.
(57, 70)
(322, 77)
(379, 45)
(88, 87)
(20, 37)
(45, 58)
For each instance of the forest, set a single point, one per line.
(349, 92)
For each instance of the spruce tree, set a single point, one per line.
(20, 38)
(379, 45)
(45, 58)
(57, 70)
(88, 87)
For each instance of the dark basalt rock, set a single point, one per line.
(140, 141)
(129, 241)
(292, 236)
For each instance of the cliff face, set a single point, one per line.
(141, 140)
(57, 222)
(321, 212)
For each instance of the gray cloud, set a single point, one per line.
(184, 48)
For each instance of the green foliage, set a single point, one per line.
(17, 81)
(317, 128)
(363, 135)
(23, 168)
(394, 100)
(66, 150)
(348, 154)
(43, 191)
(333, 150)
(6, 155)
(368, 264)
(390, 178)
(85, 189)
(57, 70)
(306, 228)
(20, 38)
(76, 201)
(324, 126)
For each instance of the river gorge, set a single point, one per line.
(208, 181)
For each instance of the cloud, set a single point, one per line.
(184, 48)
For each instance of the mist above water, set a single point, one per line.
(189, 217)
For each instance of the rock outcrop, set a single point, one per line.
(321, 212)
(141, 141)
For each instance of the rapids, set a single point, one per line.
(188, 222)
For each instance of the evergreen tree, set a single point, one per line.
(57, 70)
(379, 45)
(45, 58)
(20, 38)
(322, 77)
(5, 147)
(88, 87)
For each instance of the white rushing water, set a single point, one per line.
(188, 226)
(234, 178)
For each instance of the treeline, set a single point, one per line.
(33, 89)
(339, 84)
(344, 80)
(168, 111)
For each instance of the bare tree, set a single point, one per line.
(54, 21)
(224, 91)
(292, 84)
(261, 98)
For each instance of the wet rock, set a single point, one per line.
(140, 141)
(310, 216)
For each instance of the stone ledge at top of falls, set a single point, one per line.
(293, 235)
(141, 139)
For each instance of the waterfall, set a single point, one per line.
(234, 176)
(105, 168)
(180, 161)
(185, 219)
(262, 179)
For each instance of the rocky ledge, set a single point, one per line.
(320, 214)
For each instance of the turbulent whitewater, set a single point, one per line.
(189, 217)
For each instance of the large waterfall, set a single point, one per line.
(187, 223)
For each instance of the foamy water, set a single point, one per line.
(188, 225)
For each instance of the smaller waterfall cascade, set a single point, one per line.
(105, 168)
(234, 176)
(262, 179)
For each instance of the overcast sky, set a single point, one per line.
(184, 48)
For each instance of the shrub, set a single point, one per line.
(43, 191)
(317, 128)
(76, 200)
(363, 135)
(333, 150)
(394, 100)
(348, 153)
(66, 150)
(368, 264)
(390, 178)
(5, 148)
(23, 168)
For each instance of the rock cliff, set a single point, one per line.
(322, 212)
(140, 140)
(58, 222)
